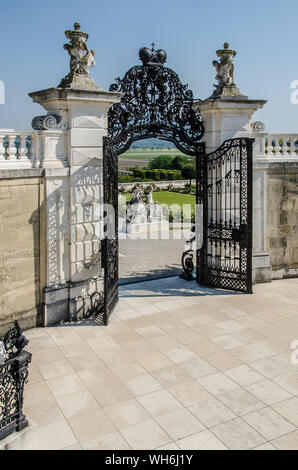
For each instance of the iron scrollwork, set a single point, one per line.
(225, 188)
(188, 258)
(110, 244)
(154, 104)
(13, 376)
(14, 341)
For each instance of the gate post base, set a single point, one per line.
(262, 269)
(72, 302)
(187, 277)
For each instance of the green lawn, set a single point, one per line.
(166, 197)
(169, 198)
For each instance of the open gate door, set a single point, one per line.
(224, 186)
(110, 247)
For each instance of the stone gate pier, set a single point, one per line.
(73, 208)
(72, 133)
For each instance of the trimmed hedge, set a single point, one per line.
(157, 175)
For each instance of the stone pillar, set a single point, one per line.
(227, 118)
(262, 269)
(228, 115)
(73, 214)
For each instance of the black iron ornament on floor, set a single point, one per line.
(13, 376)
(188, 258)
(155, 104)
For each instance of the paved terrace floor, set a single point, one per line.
(179, 367)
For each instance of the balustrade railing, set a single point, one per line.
(17, 146)
(14, 363)
(281, 144)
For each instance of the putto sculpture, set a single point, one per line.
(82, 59)
(141, 213)
(226, 86)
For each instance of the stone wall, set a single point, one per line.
(282, 219)
(20, 287)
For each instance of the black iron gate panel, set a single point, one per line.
(14, 364)
(110, 248)
(224, 180)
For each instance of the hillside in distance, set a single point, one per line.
(153, 144)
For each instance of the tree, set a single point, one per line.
(189, 173)
(179, 162)
(162, 162)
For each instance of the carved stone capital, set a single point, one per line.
(258, 126)
(49, 122)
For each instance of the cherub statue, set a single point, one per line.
(81, 57)
(150, 191)
(136, 194)
(224, 70)
(87, 62)
(136, 211)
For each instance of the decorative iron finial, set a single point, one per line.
(153, 57)
(14, 341)
(82, 59)
(226, 86)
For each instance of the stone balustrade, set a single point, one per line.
(280, 144)
(17, 148)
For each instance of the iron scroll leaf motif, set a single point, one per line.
(188, 258)
(110, 249)
(14, 341)
(224, 180)
(154, 104)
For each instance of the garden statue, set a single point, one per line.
(136, 194)
(82, 59)
(225, 74)
(150, 189)
(137, 211)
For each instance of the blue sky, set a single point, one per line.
(263, 32)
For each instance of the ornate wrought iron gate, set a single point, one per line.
(224, 182)
(156, 104)
(110, 246)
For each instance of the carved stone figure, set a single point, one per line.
(140, 213)
(82, 59)
(136, 211)
(151, 189)
(136, 194)
(225, 74)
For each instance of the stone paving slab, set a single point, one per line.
(151, 258)
(179, 367)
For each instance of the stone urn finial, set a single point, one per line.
(82, 59)
(226, 86)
